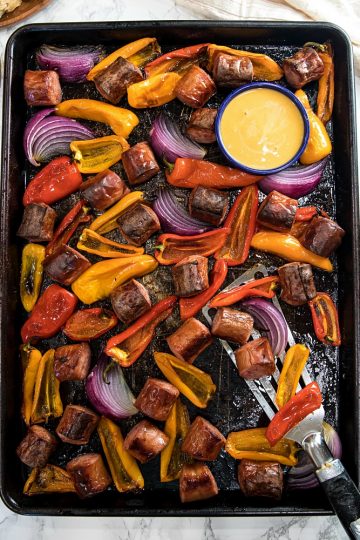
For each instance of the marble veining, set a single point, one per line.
(14, 527)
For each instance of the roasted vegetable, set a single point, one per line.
(107, 221)
(325, 319)
(178, 61)
(68, 225)
(31, 360)
(95, 155)
(50, 479)
(31, 274)
(153, 92)
(325, 97)
(47, 401)
(93, 242)
(172, 458)
(87, 324)
(264, 287)
(294, 363)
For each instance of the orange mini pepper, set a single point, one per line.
(153, 92)
(264, 287)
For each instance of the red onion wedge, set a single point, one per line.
(71, 63)
(269, 319)
(294, 182)
(108, 391)
(174, 218)
(169, 143)
(47, 136)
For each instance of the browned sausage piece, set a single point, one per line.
(139, 163)
(203, 441)
(72, 362)
(37, 223)
(42, 88)
(277, 212)
(260, 478)
(104, 189)
(112, 82)
(255, 359)
(156, 399)
(36, 447)
(190, 276)
(145, 441)
(196, 483)
(322, 236)
(138, 223)
(195, 88)
(77, 424)
(304, 66)
(232, 324)
(130, 301)
(89, 474)
(297, 283)
(65, 265)
(201, 126)
(232, 71)
(189, 340)
(207, 204)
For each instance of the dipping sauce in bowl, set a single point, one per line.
(262, 128)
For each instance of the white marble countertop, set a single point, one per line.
(14, 527)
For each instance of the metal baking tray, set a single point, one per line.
(233, 407)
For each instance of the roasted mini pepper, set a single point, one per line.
(189, 173)
(106, 222)
(87, 324)
(49, 479)
(50, 313)
(172, 459)
(319, 144)
(325, 319)
(137, 52)
(31, 367)
(153, 92)
(124, 469)
(135, 339)
(325, 97)
(296, 409)
(294, 363)
(68, 225)
(305, 213)
(265, 68)
(190, 306)
(95, 155)
(31, 274)
(253, 444)
(98, 281)
(56, 180)
(121, 121)
(191, 381)
(178, 61)
(172, 248)
(94, 243)
(241, 221)
(264, 287)
(288, 247)
(47, 401)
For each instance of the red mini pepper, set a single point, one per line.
(325, 319)
(296, 409)
(189, 173)
(87, 324)
(67, 227)
(176, 61)
(241, 220)
(135, 339)
(173, 248)
(50, 313)
(305, 213)
(190, 306)
(56, 180)
(264, 287)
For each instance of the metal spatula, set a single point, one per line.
(341, 491)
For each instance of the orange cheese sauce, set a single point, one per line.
(262, 128)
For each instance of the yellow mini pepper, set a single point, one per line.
(325, 97)
(288, 247)
(191, 381)
(107, 221)
(293, 365)
(47, 401)
(31, 361)
(172, 458)
(31, 274)
(153, 92)
(137, 52)
(94, 243)
(121, 121)
(123, 467)
(253, 444)
(319, 144)
(98, 281)
(49, 479)
(95, 155)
